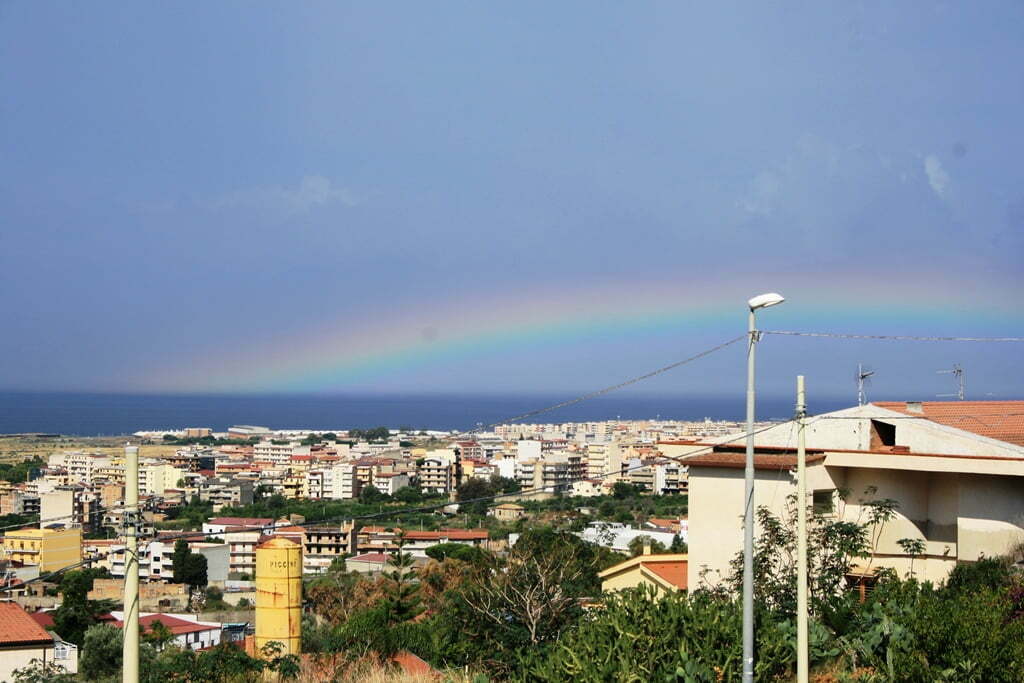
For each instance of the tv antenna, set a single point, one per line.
(863, 374)
(959, 376)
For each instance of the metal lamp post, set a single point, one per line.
(758, 302)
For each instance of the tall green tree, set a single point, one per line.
(77, 612)
(403, 602)
(101, 652)
(178, 558)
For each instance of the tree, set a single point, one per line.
(286, 666)
(178, 558)
(76, 612)
(457, 551)
(832, 545)
(678, 545)
(38, 671)
(101, 652)
(636, 546)
(402, 603)
(194, 573)
(158, 635)
(188, 567)
(504, 484)
(470, 490)
(622, 490)
(371, 494)
(912, 547)
(502, 610)
(408, 494)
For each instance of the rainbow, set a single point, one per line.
(332, 357)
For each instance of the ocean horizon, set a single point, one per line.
(100, 414)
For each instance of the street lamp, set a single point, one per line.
(758, 302)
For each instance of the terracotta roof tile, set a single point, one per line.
(673, 572)
(762, 461)
(370, 557)
(17, 627)
(1002, 420)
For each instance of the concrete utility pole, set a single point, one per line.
(761, 301)
(131, 579)
(801, 532)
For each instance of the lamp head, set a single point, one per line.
(765, 300)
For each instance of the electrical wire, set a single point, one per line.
(607, 390)
(891, 337)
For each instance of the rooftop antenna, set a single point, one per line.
(863, 374)
(959, 376)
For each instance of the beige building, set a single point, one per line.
(324, 544)
(955, 469)
(156, 477)
(507, 512)
(664, 573)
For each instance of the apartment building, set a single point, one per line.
(324, 544)
(436, 475)
(555, 472)
(277, 452)
(477, 468)
(241, 534)
(71, 505)
(390, 482)
(49, 549)
(80, 466)
(670, 478)
(226, 492)
(639, 473)
(155, 477)
(604, 460)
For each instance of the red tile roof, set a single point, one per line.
(177, 626)
(1002, 420)
(17, 627)
(673, 572)
(452, 534)
(370, 557)
(739, 460)
(44, 619)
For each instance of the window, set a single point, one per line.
(882, 434)
(823, 502)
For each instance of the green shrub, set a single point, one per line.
(637, 637)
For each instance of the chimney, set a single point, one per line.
(915, 407)
(647, 545)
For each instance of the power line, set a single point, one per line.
(892, 337)
(606, 390)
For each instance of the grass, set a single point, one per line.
(25, 447)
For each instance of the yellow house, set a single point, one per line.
(51, 549)
(665, 573)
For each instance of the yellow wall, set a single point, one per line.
(630, 578)
(51, 549)
(279, 595)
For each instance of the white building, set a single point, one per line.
(955, 470)
(618, 536)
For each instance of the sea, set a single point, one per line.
(85, 414)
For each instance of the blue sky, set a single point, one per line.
(180, 180)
